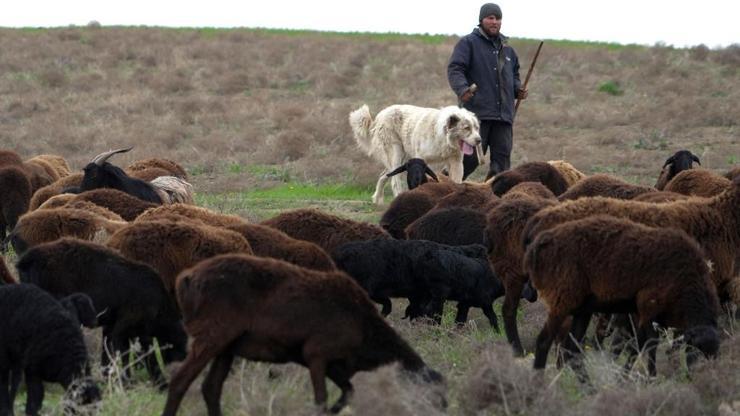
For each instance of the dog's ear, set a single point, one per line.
(452, 121)
(396, 171)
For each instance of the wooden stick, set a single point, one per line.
(529, 73)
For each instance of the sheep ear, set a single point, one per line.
(695, 158)
(430, 172)
(396, 171)
(452, 121)
(669, 160)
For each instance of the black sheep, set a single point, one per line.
(42, 340)
(130, 296)
(454, 226)
(425, 272)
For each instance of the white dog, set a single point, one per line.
(402, 132)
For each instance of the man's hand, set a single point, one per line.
(467, 95)
(522, 94)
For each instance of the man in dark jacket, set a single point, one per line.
(484, 58)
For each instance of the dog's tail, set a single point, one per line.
(360, 121)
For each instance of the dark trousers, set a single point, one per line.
(498, 137)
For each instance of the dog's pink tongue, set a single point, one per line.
(466, 148)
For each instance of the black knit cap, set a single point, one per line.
(489, 9)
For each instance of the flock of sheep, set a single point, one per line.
(126, 250)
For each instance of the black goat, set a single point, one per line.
(101, 174)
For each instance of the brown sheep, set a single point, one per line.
(542, 172)
(410, 205)
(529, 190)
(589, 265)
(680, 161)
(733, 173)
(15, 189)
(326, 230)
(170, 247)
(606, 186)
(39, 197)
(149, 174)
(569, 172)
(57, 201)
(5, 276)
(474, 196)
(173, 168)
(660, 196)
(44, 225)
(57, 163)
(10, 158)
(127, 206)
(713, 222)
(698, 182)
(278, 312)
(95, 209)
(505, 224)
(204, 215)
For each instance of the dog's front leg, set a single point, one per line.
(456, 169)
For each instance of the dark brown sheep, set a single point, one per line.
(127, 206)
(732, 173)
(713, 222)
(170, 247)
(529, 190)
(698, 182)
(410, 205)
(660, 197)
(469, 195)
(149, 174)
(339, 331)
(203, 215)
(455, 226)
(16, 194)
(680, 161)
(57, 201)
(589, 265)
(542, 172)
(57, 163)
(505, 224)
(173, 168)
(569, 172)
(5, 276)
(326, 230)
(605, 185)
(39, 197)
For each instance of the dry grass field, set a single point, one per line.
(259, 120)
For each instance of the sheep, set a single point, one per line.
(680, 161)
(93, 208)
(713, 222)
(660, 196)
(57, 201)
(101, 174)
(468, 195)
(148, 174)
(589, 265)
(16, 193)
(454, 226)
(172, 168)
(57, 163)
(425, 272)
(606, 186)
(127, 206)
(410, 205)
(10, 158)
(326, 230)
(57, 187)
(542, 172)
(568, 171)
(416, 174)
(528, 190)
(698, 182)
(504, 226)
(169, 247)
(732, 173)
(5, 276)
(204, 215)
(42, 340)
(340, 331)
(40, 226)
(130, 296)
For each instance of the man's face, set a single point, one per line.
(491, 25)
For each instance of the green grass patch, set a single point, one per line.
(611, 88)
(309, 191)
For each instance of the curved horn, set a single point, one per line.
(101, 158)
(430, 172)
(397, 170)
(695, 158)
(669, 160)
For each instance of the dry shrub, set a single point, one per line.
(53, 77)
(499, 384)
(719, 380)
(386, 391)
(664, 399)
(729, 55)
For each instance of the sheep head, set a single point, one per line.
(417, 172)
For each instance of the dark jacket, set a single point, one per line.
(491, 64)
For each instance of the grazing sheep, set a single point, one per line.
(5, 276)
(57, 201)
(416, 174)
(45, 225)
(468, 195)
(660, 196)
(172, 168)
(170, 247)
(605, 185)
(148, 174)
(43, 341)
(56, 188)
(410, 205)
(529, 190)
(713, 222)
(541, 172)
(505, 224)
(453, 226)
(130, 296)
(698, 182)
(10, 158)
(326, 230)
(733, 173)
(680, 161)
(262, 299)
(39, 173)
(57, 163)
(93, 208)
(16, 193)
(568, 171)
(127, 206)
(589, 265)
(201, 214)
(101, 174)
(425, 272)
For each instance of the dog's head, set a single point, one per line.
(461, 127)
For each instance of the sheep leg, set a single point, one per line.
(491, 315)
(378, 196)
(545, 338)
(340, 376)
(317, 370)
(574, 343)
(15, 382)
(508, 310)
(462, 313)
(647, 340)
(199, 355)
(6, 400)
(34, 394)
(385, 302)
(214, 382)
